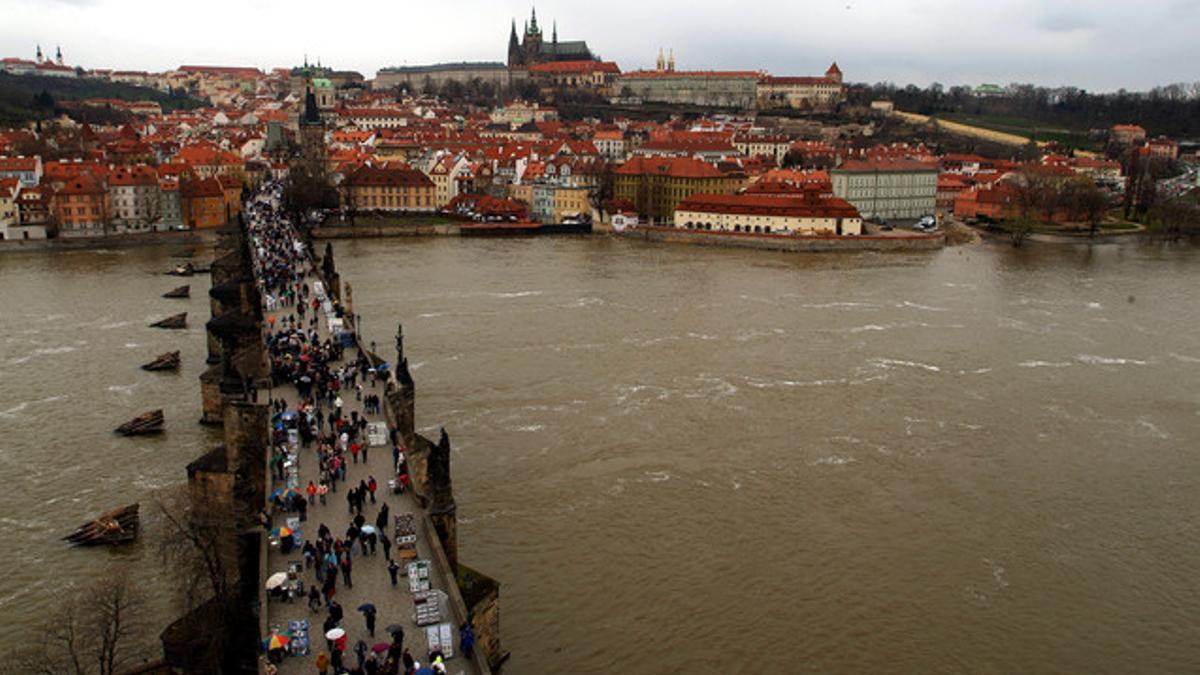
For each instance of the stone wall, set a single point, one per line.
(383, 227)
(784, 242)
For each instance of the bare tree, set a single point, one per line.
(96, 632)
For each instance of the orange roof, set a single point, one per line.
(885, 165)
(811, 204)
(647, 74)
(676, 167)
(582, 67)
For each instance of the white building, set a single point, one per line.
(901, 189)
(28, 170)
(810, 213)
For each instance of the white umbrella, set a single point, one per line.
(276, 580)
(368, 529)
(335, 634)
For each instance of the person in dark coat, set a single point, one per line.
(369, 616)
(335, 613)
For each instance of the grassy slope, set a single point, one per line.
(17, 93)
(1023, 127)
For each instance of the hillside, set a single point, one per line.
(23, 97)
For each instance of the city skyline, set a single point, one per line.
(1071, 43)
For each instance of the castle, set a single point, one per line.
(533, 49)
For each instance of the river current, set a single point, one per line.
(700, 460)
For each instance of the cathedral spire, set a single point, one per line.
(554, 35)
(533, 27)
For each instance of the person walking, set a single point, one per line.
(369, 612)
(393, 570)
(386, 544)
(371, 485)
(347, 567)
(323, 663)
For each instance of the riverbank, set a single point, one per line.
(188, 237)
(895, 241)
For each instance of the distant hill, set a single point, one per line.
(25, 98)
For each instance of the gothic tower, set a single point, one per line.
(514, 47)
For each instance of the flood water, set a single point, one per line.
(700, 460)
(73, 335)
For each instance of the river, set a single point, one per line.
(701, 460)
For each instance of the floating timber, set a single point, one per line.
(119, 526)
(175, 321)
(168, 361)
(184, 270)
(146, 423)
(181, 292)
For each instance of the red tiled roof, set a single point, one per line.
(782, 81)
(811, 204)
(388, 177)
(648, 74)
(677, 167)
(18, 163)
(885, 166)
(583, 67)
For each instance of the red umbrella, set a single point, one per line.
(381, 647)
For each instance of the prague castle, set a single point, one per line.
(533, 49)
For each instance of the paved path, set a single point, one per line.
(370, 577)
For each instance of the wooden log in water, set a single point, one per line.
(181, 292)
(168, 361)
(118, 526)
(174, 322)
(146, 423)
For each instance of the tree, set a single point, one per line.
(96, 632)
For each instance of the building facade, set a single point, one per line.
(810, 213)
(389, 189)
(656, 185)
(417, 78)
(888, 188)
(81, 207)
(725, 89)
(803, 93)
(133, 193)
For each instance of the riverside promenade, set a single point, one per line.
(370, 577)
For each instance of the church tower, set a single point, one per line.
(312, 127)
(532, 46)
(514, 47)
(39, 54)
(58, 56)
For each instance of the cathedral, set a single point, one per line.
(534, 49)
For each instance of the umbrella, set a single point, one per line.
(423, 671)
(366, 607)
(394, 628)
(381, 647)
(335, 634)
(276, 580)
(368, 529)
(277, 641)
(285, 493)
(282, 531)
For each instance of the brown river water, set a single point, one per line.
(698, 460)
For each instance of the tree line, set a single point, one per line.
(1172, 110)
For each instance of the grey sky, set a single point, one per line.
(1096, 44)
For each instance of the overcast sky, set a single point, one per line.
(1095, 44)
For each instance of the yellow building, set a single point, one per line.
(388, 189)
(656, 185)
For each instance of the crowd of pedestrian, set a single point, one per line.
(333, 435)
